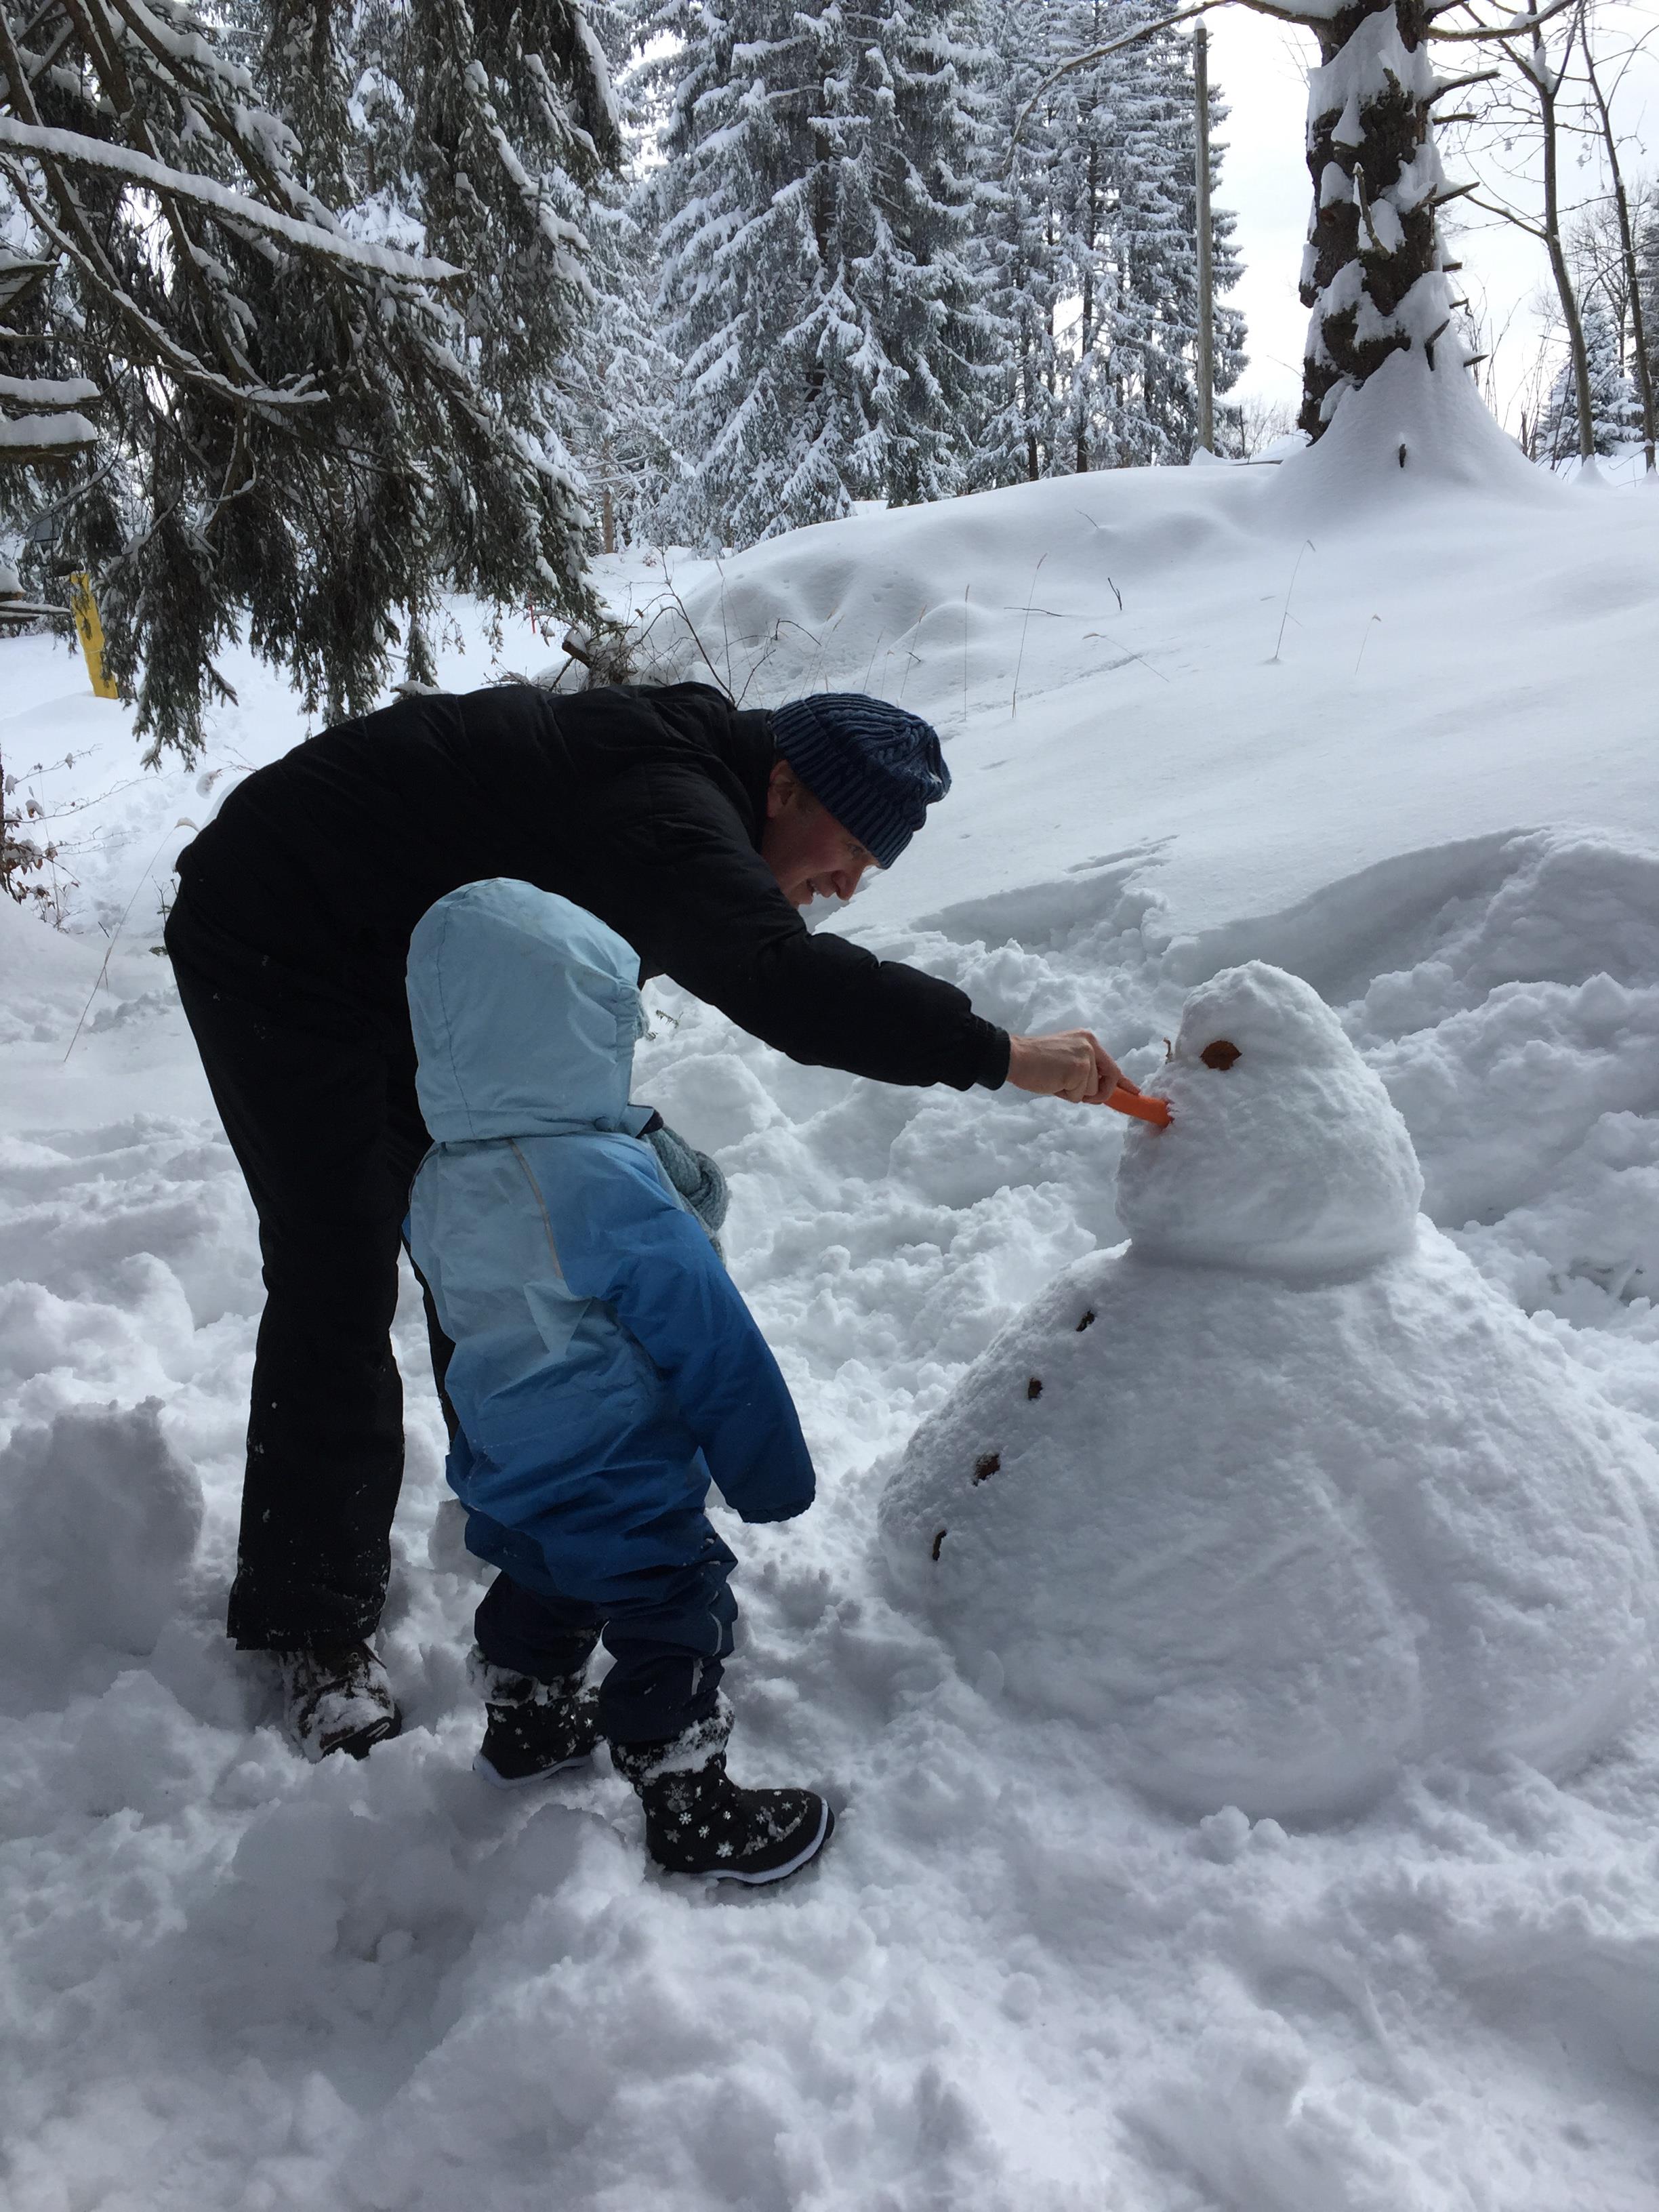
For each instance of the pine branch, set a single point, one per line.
(73, 150)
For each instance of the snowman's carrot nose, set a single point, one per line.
(1156, 1110)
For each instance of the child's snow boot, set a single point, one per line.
(698, 1821)
(336, 1697)
(532, 1729)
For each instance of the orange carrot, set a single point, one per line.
(1156, 1110)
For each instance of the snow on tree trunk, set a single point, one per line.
(1371, 272)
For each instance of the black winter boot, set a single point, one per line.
(698, 1821)
(336, 1697)
(532, 1729)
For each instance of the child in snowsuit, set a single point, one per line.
(605, 1368)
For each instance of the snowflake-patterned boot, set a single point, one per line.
(698, 1821)
(532, 1729)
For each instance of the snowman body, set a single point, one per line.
(1284, 1494)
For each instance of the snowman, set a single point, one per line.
(1283, 1494)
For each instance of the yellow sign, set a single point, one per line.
(84, 609)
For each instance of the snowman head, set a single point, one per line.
(1284, 1152)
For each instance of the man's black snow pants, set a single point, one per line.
(317, 1095)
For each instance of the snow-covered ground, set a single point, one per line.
(234, 1980)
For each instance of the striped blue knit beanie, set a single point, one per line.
(877, 768)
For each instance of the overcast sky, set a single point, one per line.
(1261, 66)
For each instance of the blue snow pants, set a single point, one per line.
(668, 1640)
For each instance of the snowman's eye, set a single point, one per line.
(1220, 1053)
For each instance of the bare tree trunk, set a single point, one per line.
(1205, 274)
(1627, 243)
(1546, 86)
(1085, 332)
(1027, 386)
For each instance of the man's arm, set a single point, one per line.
(689, 892)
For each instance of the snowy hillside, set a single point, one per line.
(233, 1980)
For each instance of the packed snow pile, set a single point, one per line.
(99, 1519)
(1284, 1494)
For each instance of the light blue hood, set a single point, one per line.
(525, 1010)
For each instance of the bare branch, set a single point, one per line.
(1459, 84)
(1307, 19)
(1366, 206)
(1508, 214)
(1518, 26)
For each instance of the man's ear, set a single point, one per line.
(782, 787)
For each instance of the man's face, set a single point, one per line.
(803, 844)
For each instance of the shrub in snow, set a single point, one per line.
(99, 1519)
(1285, 1493)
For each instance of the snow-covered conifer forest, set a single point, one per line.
(1224, 1630)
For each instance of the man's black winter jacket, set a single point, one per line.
(644, 805)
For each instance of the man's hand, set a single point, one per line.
(1067, 1064)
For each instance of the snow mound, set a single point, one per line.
(929, 604)
(99, 1519)
(1408, 427)
(1273, 1532)
(1284, 1152)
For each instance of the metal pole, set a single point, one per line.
(1205, 274)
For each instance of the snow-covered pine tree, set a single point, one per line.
(513, 122)
(816, 202)
(1615, 418)
(1085, 129)
(1019, 262)
(1098, 253)
(617, 380)
(1154, 235)
(300, 428)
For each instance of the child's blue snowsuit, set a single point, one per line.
(605, 1365)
